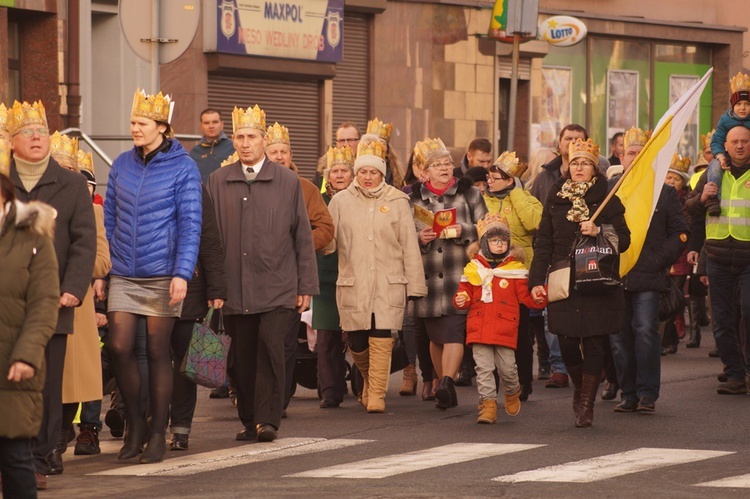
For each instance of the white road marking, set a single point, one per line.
(612, 465)
(235, 456)
(740, 482)
(396, 464)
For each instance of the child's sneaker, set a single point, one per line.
(714, 207)
(513, 403)
(487, 412)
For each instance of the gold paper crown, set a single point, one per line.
(706, 138)
(740, 83)
(424, 148)
(680, 164)
(489, 220)
(64, 149)
(231, 159)
(4, 156)
(253, 117)
(3, 118)
(580, 148)
(635, 137)
(85, 160)
(155, 107)
(339, 156)
(508, 162)
(379, 128)
(21, 115)
(374, 148)
(278, 134)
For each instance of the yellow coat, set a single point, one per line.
(82, 375)
(523, 212)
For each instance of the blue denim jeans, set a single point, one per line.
(636, 349)
(17, 468)
(555, 357)
(714, 172)
(726, 285)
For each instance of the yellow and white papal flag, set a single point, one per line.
(640, 188)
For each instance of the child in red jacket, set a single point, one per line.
(493, 285)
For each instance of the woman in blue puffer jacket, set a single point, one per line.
(153, 220)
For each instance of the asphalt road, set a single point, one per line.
(415, 450)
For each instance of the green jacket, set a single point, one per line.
(523, 212)
(29, 299)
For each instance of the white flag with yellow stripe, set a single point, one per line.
(640, 189)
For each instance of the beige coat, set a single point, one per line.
(82, 375)
(379, 260)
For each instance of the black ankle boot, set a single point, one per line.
(133, 440)
(446, 394)
(155, 449)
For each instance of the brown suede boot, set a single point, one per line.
(487, 412)
(513, 403)
(589, 388)
(576, 375)
(380, 370)
(409, 385)
(362, 361)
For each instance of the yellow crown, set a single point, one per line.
(379, 128)
(424, 148)
(231, 159)
(253, 117)
(490, 219)
(339, 156)
(64, 149)
(4, 156)
(580, 148)
(157, 107)
(508, 162)
(85, 160)
(21, 115)
(635, 137)
(278, 134)
(680, 164)
(3, 118)
(706, 138)
(740, 83)
(374, 148)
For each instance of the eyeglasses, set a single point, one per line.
(347, 141)
(442, 166)
(497, 240)
(490, 178)
(29, 132)
(579, 164)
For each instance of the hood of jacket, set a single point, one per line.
(37, 216)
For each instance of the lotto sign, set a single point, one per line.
(306, 29)
(562, 31)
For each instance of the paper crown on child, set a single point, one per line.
(24, 114)
(492, 220)
(740, 84)
(635, 137)
(381, 129)
(252, 117)
(157, 107)
(278, 134)
(64, 149)
(509, 164)
(580, 148)
(339, 156)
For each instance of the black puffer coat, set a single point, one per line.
(578, 315)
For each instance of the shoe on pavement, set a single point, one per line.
(557, 380)
(627, 405)
(646, 405)
(265, 432)
(219, 393)
(88, 442)
(543, 373)
(55, 463)
(246, 434)
(41, 481)
(610, 391)
(179, 441)
(713, 353)
(487, 412)
(115, 420)
(526, 390)
(329, 404)
(732, 387)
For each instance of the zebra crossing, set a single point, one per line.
(594, 469)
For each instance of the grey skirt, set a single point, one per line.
(446, 329)
(147, 296)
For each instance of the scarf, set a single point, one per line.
(479, 275)
(30, 173)
(574, 191)
(375, 192)
(439, 192)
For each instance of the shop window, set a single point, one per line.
(682, 54)
(688, 144)
(622, 103)
(555, 107)
(14, 62)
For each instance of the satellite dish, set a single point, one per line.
(178, 24)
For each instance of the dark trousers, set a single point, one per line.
(17, 468)
(423, 350)
(184, 391)
(49, 434)
(525, 348)
(331, 365)
(258, 344)
(592, 358)
(291, 344)
(536, 331)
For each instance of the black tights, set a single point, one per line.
(122, 329)
(592, 357)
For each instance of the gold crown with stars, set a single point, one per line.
(157, 107)
(278, 134)
(379, 128)
(252, 117)
(24, 114)
(339, 156)
(635, 137)
(64, 149)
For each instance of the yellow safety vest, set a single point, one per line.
(735, 209)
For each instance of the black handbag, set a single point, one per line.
(671, 301)
(596, 261)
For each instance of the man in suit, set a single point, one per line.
(38, 177)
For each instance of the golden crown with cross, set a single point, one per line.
(24, 114)
(278, 134)
(379, 128)
(157, 107)
(64, 149)
(635, 137)
(339, 156)
(252, 117)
